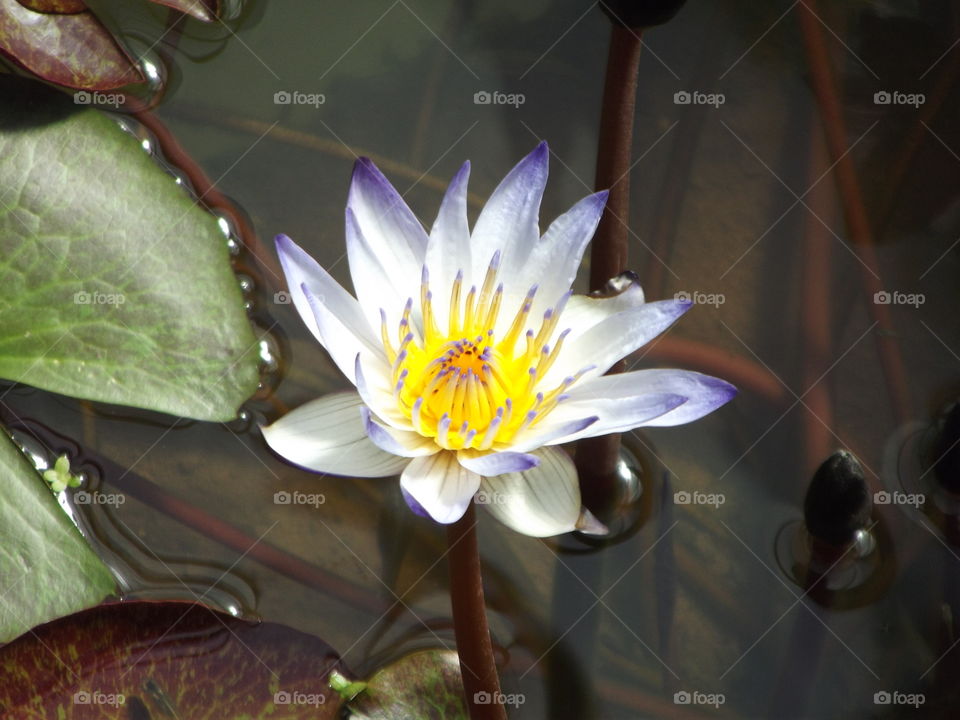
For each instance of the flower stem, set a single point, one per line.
(477, 666)
(597, 457)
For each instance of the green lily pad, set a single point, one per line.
(424, 685)
(114, 284)
(166, 660)
(46, 567)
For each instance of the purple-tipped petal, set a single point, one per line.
(391, 231)
(539, 502)
(412, 503)
(497, 463)
(342, 341)
(509, 222)
(302, 270)
(702, 394)
(327, 435)
(441, 485)
(397, 442)
(614, 338)
(376, 286)
(556, 257)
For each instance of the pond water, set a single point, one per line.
(737, 200)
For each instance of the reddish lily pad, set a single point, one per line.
(74, 50)
(62, 7)
(159, 660)
(422, 685)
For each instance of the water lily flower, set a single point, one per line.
(471, 358)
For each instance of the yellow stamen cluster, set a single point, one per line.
(463, 385)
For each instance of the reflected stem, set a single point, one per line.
(474, 645)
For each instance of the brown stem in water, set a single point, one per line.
(477, 666)
(597, 457)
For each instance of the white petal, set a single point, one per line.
(582, 312)
(702, 394)
(555, 258)
(343, 342)
(496, 463)
(509, 222)
(441, 485)
(448, 250)
(301, 269)
(615, 414)
(377, 287)
(540, 502)
(394, 441)
(327, 435)
(556, 428)
(614, 338)
(377, 394)
(393, 231)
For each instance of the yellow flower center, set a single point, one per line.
(465, 386)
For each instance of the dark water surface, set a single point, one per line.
(736, 203)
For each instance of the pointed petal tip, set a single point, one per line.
(588, 524)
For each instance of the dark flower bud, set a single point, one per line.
(639, 14)
(838, 501)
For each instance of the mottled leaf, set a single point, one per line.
(114, 285)
(424, 685)
(64, 7)
(166, 660)
(74, 50)
(46, 567)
